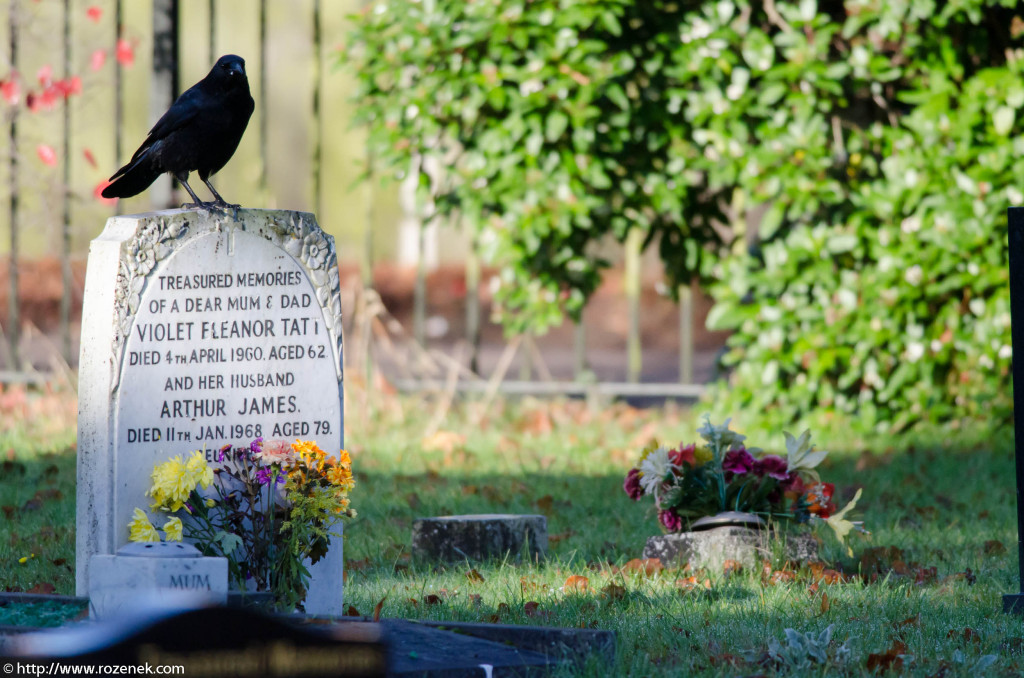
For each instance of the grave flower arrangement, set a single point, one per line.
(266, 508)
(692, 481)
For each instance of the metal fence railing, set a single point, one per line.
(134, 58)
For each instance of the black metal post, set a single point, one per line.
(164, 84)
(1014, 602)
(13, 310)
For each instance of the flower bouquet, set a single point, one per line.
(266, 508)
(689, 482)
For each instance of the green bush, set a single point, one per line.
(879, 288)
(874, 144)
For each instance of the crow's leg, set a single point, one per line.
(182, 178)
(220, 202)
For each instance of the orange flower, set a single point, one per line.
(819, 499)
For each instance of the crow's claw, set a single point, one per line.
(200, 205)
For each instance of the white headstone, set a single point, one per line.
(200, 330)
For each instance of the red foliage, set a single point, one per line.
(98, 193)
(11, 90)
(47, 155)
(98, 58)
(125, 53)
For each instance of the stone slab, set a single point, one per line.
(422, 651)
(480, 537)
(118, 583)
(561, 644)
(201, 329)
(711, 548)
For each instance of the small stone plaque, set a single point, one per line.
(200, 330)
(711, 548)
(157, 572)
(479, 536)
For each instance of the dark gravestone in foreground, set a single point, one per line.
(217, 641)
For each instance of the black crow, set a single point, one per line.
(200, 132)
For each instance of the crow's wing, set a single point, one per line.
(184, 109)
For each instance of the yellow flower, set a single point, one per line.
(175, 479)
(172, 528)
(703, 454)
(341, 477)
(25, 559)
(200, 471)
(140, 529)
(210, 503)
(172, 483)
(651, 447)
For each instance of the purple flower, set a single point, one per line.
(223, 453)
(671, 521)
(772, 466)
(263, 475)
(632, 484)
(256, 446)
(738, 462)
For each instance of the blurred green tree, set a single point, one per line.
(838, 172)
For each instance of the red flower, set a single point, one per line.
(793, 485)
(44, 75)
(819, 500)
(772, 466)
(671, 521)
(682, 455)
(632, 484)
(89, 157)
(738, 462)
(94, 13)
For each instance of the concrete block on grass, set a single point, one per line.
(480, 537)
(711, 548)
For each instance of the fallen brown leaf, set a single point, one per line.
(474, 576)
(994, 547)
(377, 609)
(613, 591)
(647, 566)
(352, 612)
(443, 441)
(909, 621)
(43, 587)
(732, 567)
(576, 583)
(431, 599)
(890, 659)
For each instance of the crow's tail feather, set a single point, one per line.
(133, 178)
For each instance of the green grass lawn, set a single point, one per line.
(920, 596)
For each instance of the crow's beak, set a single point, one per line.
(236, 71)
